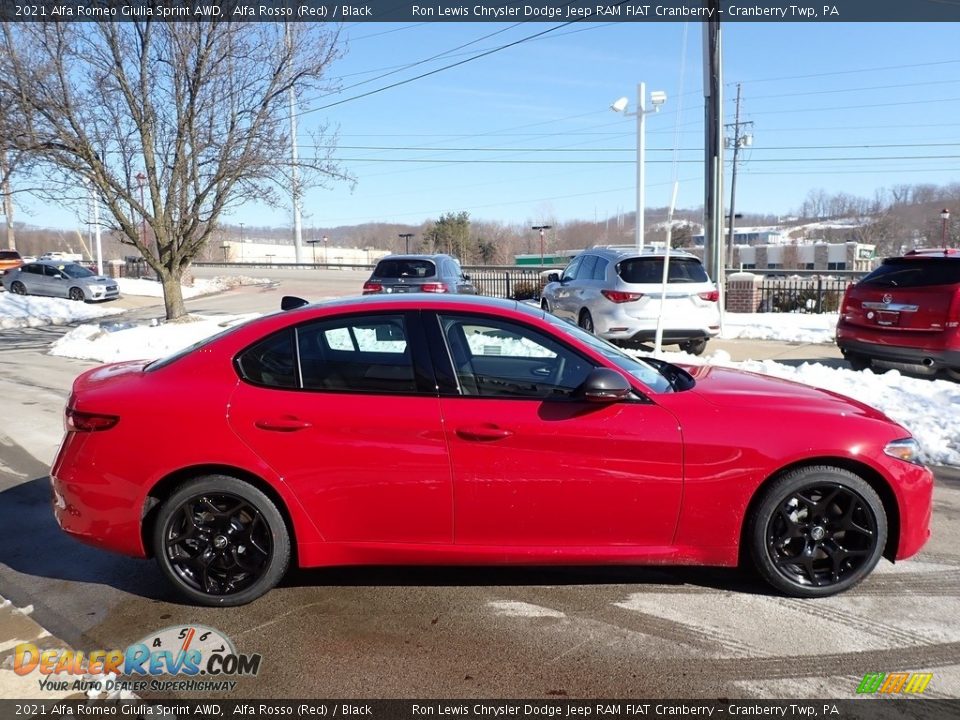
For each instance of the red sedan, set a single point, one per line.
(459, 430)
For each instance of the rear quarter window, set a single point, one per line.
(906, 272)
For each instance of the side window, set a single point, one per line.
(571, 272)
(600, 269)
(271, 362)
(499, 359)
(32, 269)
(356, 354)
(50, 271)
(586, 267)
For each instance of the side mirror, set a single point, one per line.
(553, 277)
(605, 386)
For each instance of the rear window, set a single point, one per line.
(650, 270)
(915, 272)
(390, 269)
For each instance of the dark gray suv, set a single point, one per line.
(418, 273)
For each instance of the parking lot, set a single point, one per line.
(474, 632)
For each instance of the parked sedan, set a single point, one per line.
(466, 430)
(419, 273)
(59, 279)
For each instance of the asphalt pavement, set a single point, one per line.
(467, 632)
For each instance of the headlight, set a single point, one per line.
(907, 450)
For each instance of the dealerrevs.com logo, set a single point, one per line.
(892, 683)
(200, 657)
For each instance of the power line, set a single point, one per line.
(849, 72)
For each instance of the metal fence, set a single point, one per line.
(508, 281)
(815, 294)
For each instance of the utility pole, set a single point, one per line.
(541, 228)
(406, 241)
(737, 142)
(713, 146)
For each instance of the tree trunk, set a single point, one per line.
(7, 200)
(173, 294)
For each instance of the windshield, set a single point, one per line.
(649, 270)
(75, 271)
(637, 367)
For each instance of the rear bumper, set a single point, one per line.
(877, 348)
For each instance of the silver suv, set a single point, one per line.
(419, 273)
(615, 293)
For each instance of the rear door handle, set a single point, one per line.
(283, 424)
(483, 432)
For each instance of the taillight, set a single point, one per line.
(370, 287)
(618, 296)
(434, 287)
(711, 296)
(77, 421)
(846, 296)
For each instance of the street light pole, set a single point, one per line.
(241, 242)
(944, 216)
(406, 241)
(541, 228)
(657, 98)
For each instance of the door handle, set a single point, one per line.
(483, 432)
(283, 424)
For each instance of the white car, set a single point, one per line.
(615, 293)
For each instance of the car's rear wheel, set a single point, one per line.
(817, 531)
(18, 288)
(694, 347)
(221, 541)
(76, 294)
(585, 320)
(952, 373)
(858, 362)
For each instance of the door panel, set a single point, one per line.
(563, 473)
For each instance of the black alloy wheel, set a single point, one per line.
(818, 531)
(18, 288)
(221, 541)
(76, 294)
(694, 347)
(586, 321)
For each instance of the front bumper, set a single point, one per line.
(914, 490)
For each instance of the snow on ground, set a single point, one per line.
(786, 327)
(201, 286)
(21, 311)
(116, 342)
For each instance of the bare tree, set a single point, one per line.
(192, 116)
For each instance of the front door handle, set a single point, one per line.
(283, 424)
(483, 433)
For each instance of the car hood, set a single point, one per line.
(726, 387)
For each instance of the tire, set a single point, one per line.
(858, 362)
(585, 320)
(544, 305)
(952, 373)
(18, 288)
(201, 559)
(817, 531)
(76, 294)
(694, 347)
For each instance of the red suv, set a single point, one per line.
(906, 313)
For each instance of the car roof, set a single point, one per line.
(624, 251)
(427, 301)
(413, 256)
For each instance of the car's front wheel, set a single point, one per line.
(817, 531)
(76, 294)
(221, 541)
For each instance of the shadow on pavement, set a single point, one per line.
(31, 543)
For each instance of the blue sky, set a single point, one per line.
(806, 87)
